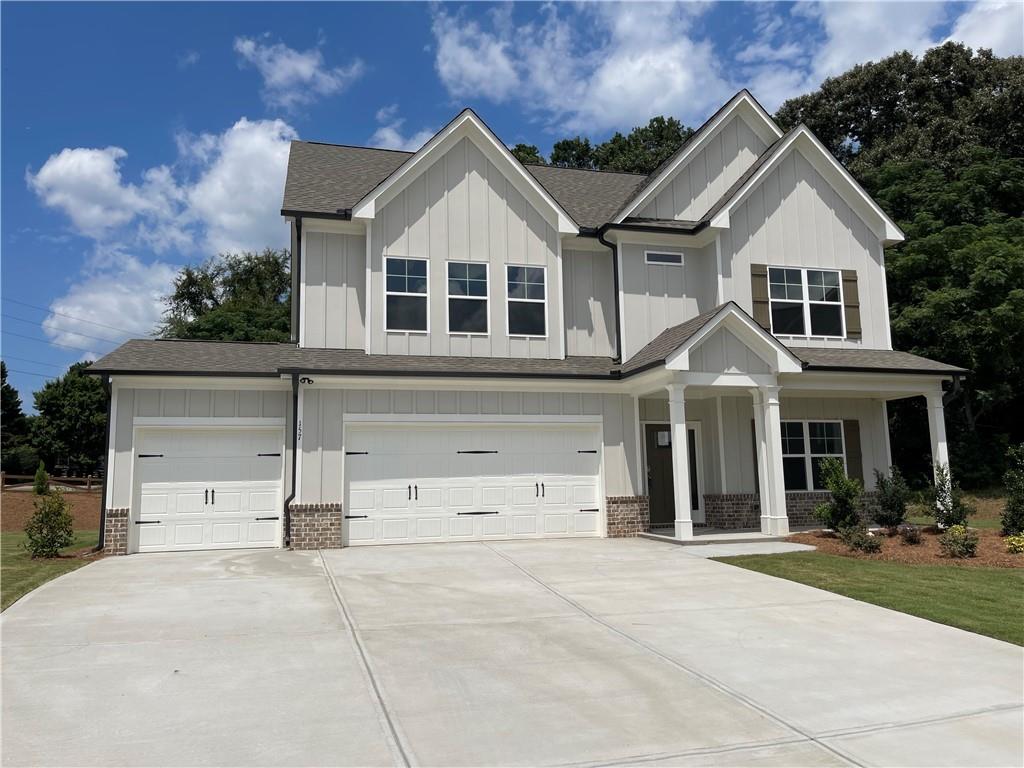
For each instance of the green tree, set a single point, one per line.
(528, 154)
(49, 529)
(644, 148)
(70, 431)
(234, 297)
(16, 453)
(41, 483)
(574, 153)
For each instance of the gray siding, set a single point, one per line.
(708, 174)
(200, 404)
(334, 303)
(722, 352)
(463, 209)
(658, 296)
(323, 411)
(589, 303)
(795, 218)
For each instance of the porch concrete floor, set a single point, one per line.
(561, 652)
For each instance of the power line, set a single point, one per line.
(73, 333)
(30, 373)
(46, 341)
(70, 317)
(34, 362)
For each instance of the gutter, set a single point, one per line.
(614, 247)
(295, 460)
(106, 469)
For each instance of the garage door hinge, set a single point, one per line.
(268, 454)
(590, 510)
(151, 455)
(268, 518)
(586, 451)
(357, 453)
(356, 517)
(479, 513)
(147, 522)
(476, 451)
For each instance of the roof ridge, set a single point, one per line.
(352, 146)
(222, 341)
(589, 170)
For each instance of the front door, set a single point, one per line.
(660, 487)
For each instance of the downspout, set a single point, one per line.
(614, 247)
(296, 280)
(295, 460)
(106, 468)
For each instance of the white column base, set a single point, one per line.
(774, 526)
(684, 529)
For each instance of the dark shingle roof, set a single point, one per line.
(891, 360)
(590, 197)
(668, 341)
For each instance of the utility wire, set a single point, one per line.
(74, 333)
(64, 314)
(46, 341)
(30, 373)
(34, 362)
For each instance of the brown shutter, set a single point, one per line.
(759, 295)
(854, 457)
(851, 304)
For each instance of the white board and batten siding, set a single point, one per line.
(334, 293)
(462, 208)
(795, 218)
(589, 303)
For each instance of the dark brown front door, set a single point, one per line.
(659, 474)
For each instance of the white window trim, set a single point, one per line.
(544, 301)
(486, 298)
(806, 303)
(425, 296)
(807, 455)
(648, 254)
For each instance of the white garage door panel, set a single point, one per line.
(207, 489)
(410, 483)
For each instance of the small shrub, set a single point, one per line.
(959, 541)
(1015, 544)
(892, 493)
(948, 500)
(1012, 517)
(49, 529)
(41, 483)
(841, 510)
(858, 539)
(909, 533)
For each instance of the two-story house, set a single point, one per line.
(484, 349)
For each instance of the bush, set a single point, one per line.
(959, 541)
(892, 493)
(948, 500)
(1015, 544)
(1012, 517)
(858, 539)
(49, 529)
(841, 510)
(909, 533)
(41, 484)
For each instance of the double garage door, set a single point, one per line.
(206, 489)
(409, 483)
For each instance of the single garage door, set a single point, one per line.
(409, 483)
(207, 489)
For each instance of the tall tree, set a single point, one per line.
(528, 154)
(234, 297)
(644, 148)
(70, 430)
(573, 153)
(17, 457)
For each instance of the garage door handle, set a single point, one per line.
(147, 522)
(542, 489)
(355, 517)
(268, 518)
(206, 496)
(479, 513)
(410, 493)
(213, 496)
(416, 492)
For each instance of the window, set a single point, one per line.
(804, 445)
(405, 294)
(526, 301)
(467, 297)
(805, 302)
(663, 257)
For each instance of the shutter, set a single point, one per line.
(854, 456)
(759, 295)
(851, 304)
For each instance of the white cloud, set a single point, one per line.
(995, 25)
(472, 61)
(294, 78)
(389, 134)
(188, 59)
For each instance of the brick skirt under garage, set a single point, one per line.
(115, 531)
(627, 515)
(315, 526)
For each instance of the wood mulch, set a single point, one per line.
(991, 549)
(16, 507)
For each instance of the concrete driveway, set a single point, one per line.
(572, 652)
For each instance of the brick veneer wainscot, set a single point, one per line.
(743, 510)
(315, 526)
(627, 515)
(115, 531)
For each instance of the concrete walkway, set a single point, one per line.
(581, 652)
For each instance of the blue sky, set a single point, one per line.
(141, 137)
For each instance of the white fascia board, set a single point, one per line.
(743, 104)
(270, 382)
(466, 383)
(832, 171)
(757, 339)
(884, 385)
(466, 124)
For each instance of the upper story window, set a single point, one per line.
(405, 294)
(804, 445)
(806, 302)
(467, 297)
(527, 301)
(664, 257)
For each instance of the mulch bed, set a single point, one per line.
(16, 507)
(991, 549)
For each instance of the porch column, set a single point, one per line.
(768, 433)
(937, 428)
(680, 461)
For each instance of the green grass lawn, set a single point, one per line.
(989, 601)
(20, 574)
(988, 506)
